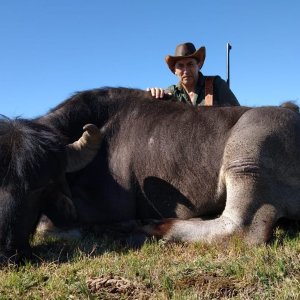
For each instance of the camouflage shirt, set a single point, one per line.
(222, 94)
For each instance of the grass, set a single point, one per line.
(98, 268)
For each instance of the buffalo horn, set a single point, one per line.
(83, 151)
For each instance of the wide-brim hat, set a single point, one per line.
(186, 50)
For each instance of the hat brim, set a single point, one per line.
(199, 55)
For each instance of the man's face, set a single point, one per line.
(186, 70)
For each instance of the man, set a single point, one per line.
(193, 87)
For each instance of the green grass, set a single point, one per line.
(158, 270)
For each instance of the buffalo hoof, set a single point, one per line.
(157, 228)
(46, 228)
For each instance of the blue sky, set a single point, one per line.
(53, 48)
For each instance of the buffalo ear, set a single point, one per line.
(83, 151)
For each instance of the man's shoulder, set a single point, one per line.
(218, 81)
(215, 78)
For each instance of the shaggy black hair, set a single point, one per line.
(25, 148)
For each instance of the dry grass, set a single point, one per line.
(102, 269)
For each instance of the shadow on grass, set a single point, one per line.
(61, 250)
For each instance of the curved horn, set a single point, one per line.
(83, 151)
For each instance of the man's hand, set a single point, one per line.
(157, 93)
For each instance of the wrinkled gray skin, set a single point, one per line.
(237, 169)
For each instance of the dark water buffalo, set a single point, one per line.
(237, 169)
(33, 161)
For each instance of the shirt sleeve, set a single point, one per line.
(171, 89)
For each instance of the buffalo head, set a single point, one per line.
(32, 157)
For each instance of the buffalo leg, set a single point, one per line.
(247, 213)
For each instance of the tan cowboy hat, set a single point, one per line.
(186, 50)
